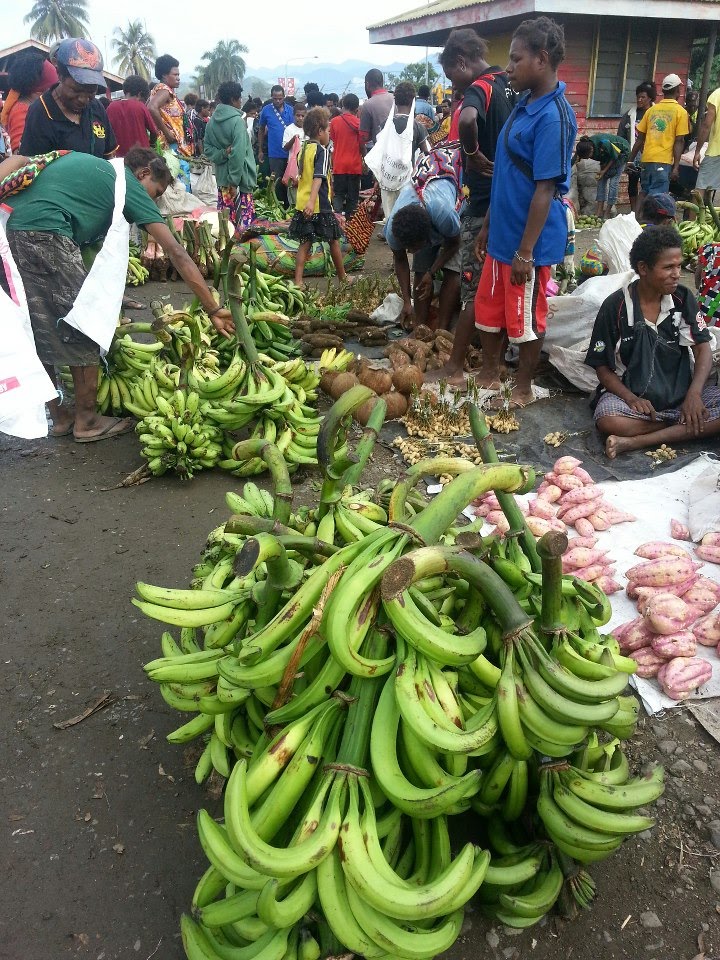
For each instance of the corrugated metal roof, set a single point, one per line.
(449, 6)
(436, 6)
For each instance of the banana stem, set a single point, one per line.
(366, 444)
(237, 309)
(282, 573)
(550, 549)
(432, 522)
(275, 462)
(134, 327)
(327, 440)
(513, 514)
(364, 693)
(429, 561)
(433, 466)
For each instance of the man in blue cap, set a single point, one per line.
(67, 116)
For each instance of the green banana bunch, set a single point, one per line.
(177, 439)
(137, 274)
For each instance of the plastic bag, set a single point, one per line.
(171, 159)
(292, 171)
(704, 506)
(204, 186)
(389, 309)
(176, 201)
(24, 385)
(391, 159)
(615, 239)
(97, 307)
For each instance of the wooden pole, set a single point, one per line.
(709, 55)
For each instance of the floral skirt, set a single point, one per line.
(321, 226)
(240, 206)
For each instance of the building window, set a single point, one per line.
(625, 54)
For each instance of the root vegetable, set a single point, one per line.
(618, 516)
(707, 630)
(678, 531)
(682, 644)
(703, 593)
(663, 572)
(577, 557)
(711, 539)
(482, 510)
(635, 636)
(556, 524)
(648, 662)
(377, 378)
(583, 475)
(341, 383)
(592, 573)
(538, 527)
(654, 549)
(583, 542)
(634, 590)
(599, 521)
(327, 380)
(581, 495)
(565, 481)
(667, 614)
(397, 404)
(566, 465)
(406, 378)
(608, 585)
(683, 675)
(584, 528)
(579, 512)
(549, 492)
(541, 508)
(708, 554)
(363, 412)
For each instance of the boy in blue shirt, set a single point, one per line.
(525, 231)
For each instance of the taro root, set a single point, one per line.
(363, 412)
(406, 378)
(377, 378)
(327, 380)
(341, 383)
(397, 404)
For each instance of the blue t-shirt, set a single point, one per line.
(439, 198)
(276, 121)
(540, 137)
(425, 108)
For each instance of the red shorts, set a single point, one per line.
(521, 310)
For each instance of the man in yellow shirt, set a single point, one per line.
(709, 169)
(660, 139)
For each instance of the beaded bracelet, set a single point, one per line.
(523, 260)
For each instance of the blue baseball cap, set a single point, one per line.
(82, 60)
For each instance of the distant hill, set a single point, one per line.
(340, 78)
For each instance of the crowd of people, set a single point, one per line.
(474, 188)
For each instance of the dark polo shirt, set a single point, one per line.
(47, 128)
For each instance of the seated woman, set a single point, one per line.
(650, 326)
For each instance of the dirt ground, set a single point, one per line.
(99, 847)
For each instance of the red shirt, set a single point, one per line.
(131, 123)
(345, 136)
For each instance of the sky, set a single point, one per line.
(274, 33)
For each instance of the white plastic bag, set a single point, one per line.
(704, 503)
(204, 186)
(615, 239)
(176, 201)
(391, 159)
(389, 310)
(97, 307)
(24, 385)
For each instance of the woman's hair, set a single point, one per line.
(404, 93)
(309, 87)
(651, 243)
(228, 91)
(249, 105)
(140, 157)
(25, 72)
(545, 34)
(585, 148)
(333, 98)
(191, 99)
(164, 64)
(316, 119)
(315, 98)
(350, 101)
(648, 87)
(463, 42)
(135, 86)
(412, 227)
(202, 105)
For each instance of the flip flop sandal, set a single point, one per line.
(63, 433)
(116, 429)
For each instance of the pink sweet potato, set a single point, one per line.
(592, 573)
(679, 531)
(635, 636)
(683, 675)
(541, 508)
(583, 475)
(482, 510)
(537, 526)
(648, 662)
(583, 542)
(551, 493)
(566, 481)
(498, 518)
(579, 511)
(584, 527)
(711, 539)
(654, 549)
(618, 516)
(566, 465)
(599, 520)
(577, 557)
(634, 590)
(608, 585)
(682, 644)
(704, 593)
(581, 495)
(663, 572)
(667, 614)
(556, 524)
(707, 629)
(708, 554)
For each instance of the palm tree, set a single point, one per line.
(135, 50)
(223, 62)
(55, 19)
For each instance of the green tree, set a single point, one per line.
(55, 19)
(134, 50)
(223, 62)
(697, 65)
(414, 73)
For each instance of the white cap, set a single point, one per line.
(671, 81)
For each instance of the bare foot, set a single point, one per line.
(62, 424)
(615, 445)
(518, 398)
(487, 381)
(453, 374)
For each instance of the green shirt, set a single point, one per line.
(75, 196)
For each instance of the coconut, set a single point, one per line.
(377, 378)
(398, 359)
(327, 380)
(406, 378)
(341, 383)
(363, 412)
(397, 404)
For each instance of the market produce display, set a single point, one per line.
(137, 274)
(364, 670)
(427, 350)
(703, 228)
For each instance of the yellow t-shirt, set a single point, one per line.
(661, 124)
(713, 149)
(314, 162)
